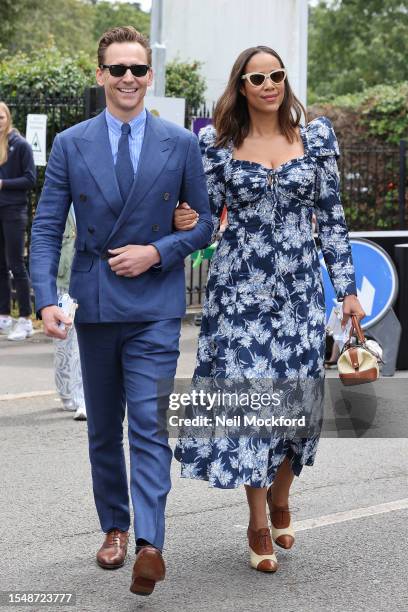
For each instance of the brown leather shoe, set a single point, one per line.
(282, 530)
(148, 569)
(112, 553)
(261, 555)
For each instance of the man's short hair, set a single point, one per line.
(120, 35)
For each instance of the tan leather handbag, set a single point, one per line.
(357, 364)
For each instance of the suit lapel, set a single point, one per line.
(156, 149)
(94, 146)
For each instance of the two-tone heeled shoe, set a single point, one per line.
(283, 533)
(261, 555)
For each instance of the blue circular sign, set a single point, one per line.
(376, 280)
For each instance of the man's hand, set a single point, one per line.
(351, 306)
(185, 218)
(51, 317)
(133, 259)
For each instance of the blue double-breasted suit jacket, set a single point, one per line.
(80, 169)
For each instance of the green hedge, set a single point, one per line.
(50, 73)
(372, 122)
(378, 114)
(46, 73)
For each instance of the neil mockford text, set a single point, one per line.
(236, 421)
(204, 400)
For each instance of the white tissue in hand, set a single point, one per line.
(68, 306)
(333, 328)
(375, 348)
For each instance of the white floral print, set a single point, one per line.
(264, 312)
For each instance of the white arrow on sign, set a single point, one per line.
(365, 295)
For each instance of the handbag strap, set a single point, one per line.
(356, 329)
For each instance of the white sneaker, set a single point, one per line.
(23, 329)
(80, 414)
(68, 404)
(6, 323)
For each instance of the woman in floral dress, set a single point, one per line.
(264, 312)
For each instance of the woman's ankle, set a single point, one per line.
(279, 499)
(257, 523)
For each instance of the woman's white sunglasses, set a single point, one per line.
(256, 79)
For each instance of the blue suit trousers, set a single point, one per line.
(122, 364)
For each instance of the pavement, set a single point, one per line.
(350, 511)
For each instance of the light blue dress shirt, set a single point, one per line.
(137, 129)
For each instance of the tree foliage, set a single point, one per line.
(70, 25)
(49, 48)
(183, 80)
(61, 23)
(9, 18)
(355, 44)
(45, 73)
(369, 126)
(108, 15)
(377, 115)
(50, 73)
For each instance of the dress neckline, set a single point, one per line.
(302, 131)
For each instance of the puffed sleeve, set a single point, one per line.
(214, 160)
(332, 227)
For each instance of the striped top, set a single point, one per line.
(137, 129)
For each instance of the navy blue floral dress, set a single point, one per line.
(264, 312)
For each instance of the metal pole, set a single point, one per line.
(402, 182)
(158, 48)
(303, 9)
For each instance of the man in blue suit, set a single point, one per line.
(125, 171)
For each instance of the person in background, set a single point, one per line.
(68, 375)
(17, 176)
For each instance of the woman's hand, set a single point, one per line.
(352, 306)
(185, 218)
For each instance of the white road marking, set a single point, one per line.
(27, 395)
(347, 515)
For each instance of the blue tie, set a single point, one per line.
(124, 167)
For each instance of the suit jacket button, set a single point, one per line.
(155, 227)
(82, 197)
(91, 230)
(166, 196)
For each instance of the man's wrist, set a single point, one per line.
(156, 259)
(45, 308)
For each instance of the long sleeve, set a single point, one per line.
(214, 161)
(27, 180)
(333, 232)
(48, 227)
(175, 247)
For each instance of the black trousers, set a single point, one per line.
(13, 223)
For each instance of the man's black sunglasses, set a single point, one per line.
(119, 70)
